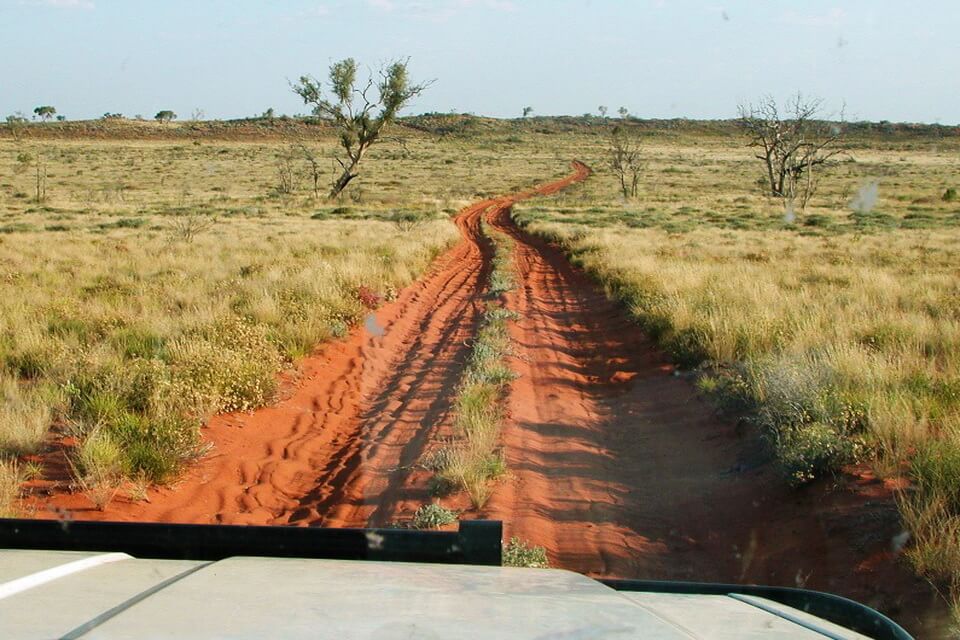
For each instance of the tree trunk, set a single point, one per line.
(348, 174)
(344, 179)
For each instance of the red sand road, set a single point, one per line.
(615, 465)
(340, 450)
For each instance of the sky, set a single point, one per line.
(875, 59)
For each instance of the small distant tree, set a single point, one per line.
(288, 177)
(197, 115)
(527, 111)
(603, 111)
(623, 112)
(625, 160)
(313, 162)
(165, 116)
(112, 116)
(45, 112)
(358, 115)
(16, 123)
(793, 146)
(268, 114)
(38, 161)
(189, 226)
(61, 118)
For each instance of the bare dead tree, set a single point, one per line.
(37, 160)
(288, 178)
(406, 221)
(40, 194)
(358, 115)
(189, 226)
(794, 146)
(626, 161)
(312, 159)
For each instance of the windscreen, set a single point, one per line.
(670, 289)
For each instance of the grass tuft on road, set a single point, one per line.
(477, 460)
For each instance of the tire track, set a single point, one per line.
(342, 449)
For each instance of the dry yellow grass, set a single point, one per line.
(837, 332)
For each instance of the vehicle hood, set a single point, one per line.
(46, 594)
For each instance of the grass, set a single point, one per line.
(25, 415)
(142, 338)
(117, 329)
(838, 334)
(476, 460)
(163, 279)
(10, 478)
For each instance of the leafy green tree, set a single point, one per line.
(45, 112)
(165, 116)
(358, 115)
(527, 111)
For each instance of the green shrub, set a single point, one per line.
(949, 195)
(518, 553)
(229, 366)
(815, 450)
(433, 516)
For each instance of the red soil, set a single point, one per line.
(616, 465)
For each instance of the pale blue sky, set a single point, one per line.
(887, 60)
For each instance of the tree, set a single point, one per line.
(61, 118)
(792, 146)
(45, 112)
(623, 112)
(359, 117)
(603, 111)
(312, 159)
(15, 124)
(268, 114)
(165, 116)
(527, 111)
(625, 160)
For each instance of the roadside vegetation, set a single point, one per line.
(147, 284)
(834, 326)
(127, 337)
(519, 553)
(432, 516)
(475, 459)
(141, 251)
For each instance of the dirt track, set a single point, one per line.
(341, 449)
(615, 465)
